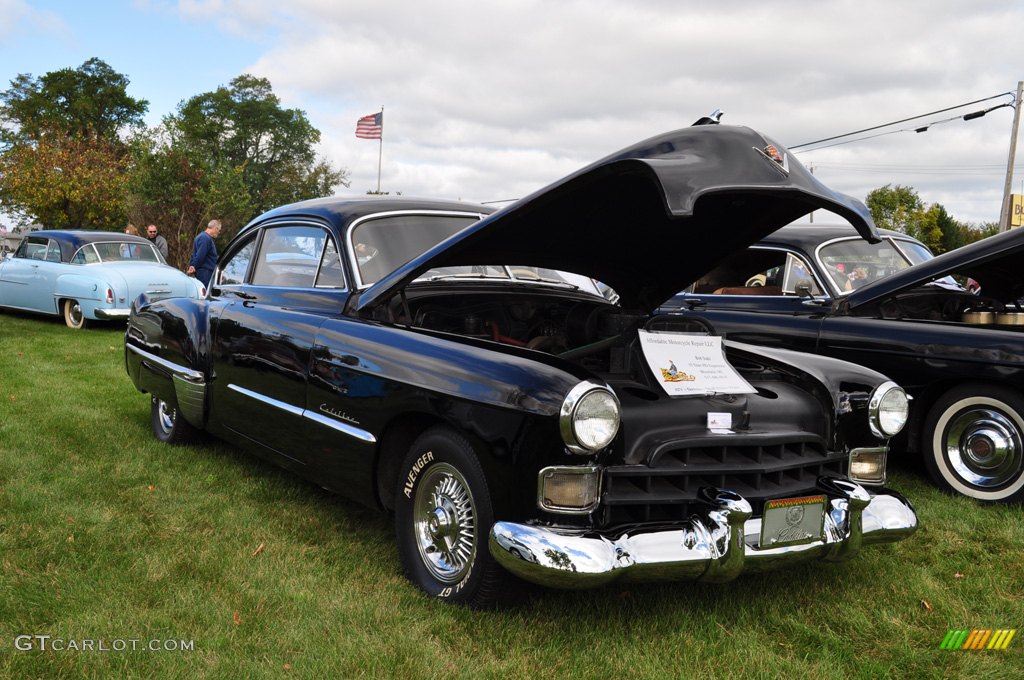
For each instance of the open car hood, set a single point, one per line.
(995, 262)
(648, 220)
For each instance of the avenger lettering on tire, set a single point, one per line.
(974, 443)
(443, 514)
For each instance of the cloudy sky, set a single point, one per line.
(491, 100)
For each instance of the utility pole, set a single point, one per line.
(1004, 212)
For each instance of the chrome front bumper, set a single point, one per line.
(714, 546)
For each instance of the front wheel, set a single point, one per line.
(443, 514)
(974, 443)
(167, 424)
(73, 315)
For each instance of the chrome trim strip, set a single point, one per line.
(177, 369)
(715, 545)
(294, 410)
(344, 428)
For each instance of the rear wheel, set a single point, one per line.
(974, 443)
(443, 514)
(167, 424)
(73, 316)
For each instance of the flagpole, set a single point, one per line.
(380, 149)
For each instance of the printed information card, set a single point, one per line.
(691, 364)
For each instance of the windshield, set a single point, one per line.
(383, 244)
(852, 263)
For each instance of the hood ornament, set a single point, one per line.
(780, 160)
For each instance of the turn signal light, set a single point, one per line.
(569, 490)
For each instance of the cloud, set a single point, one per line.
(490, 100)
(18, 18)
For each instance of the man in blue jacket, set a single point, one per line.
(204, 253)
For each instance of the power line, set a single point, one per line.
(968, 116)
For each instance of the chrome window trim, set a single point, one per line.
(350, 247)
(257, 233)
(789, 251)
(886, 237)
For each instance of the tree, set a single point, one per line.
(65, 181)
(62, 160)
(90, 101)
(894, 208)
(901, 209)
(243, 129)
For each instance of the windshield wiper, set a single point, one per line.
(464, 275)
(557, 282)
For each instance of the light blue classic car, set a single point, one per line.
(87, 275)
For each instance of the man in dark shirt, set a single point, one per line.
(204, 253)
(159, 241)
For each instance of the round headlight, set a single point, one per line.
(888, 410)
(589, 418)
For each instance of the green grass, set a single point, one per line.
(105, 534)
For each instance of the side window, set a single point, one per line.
(32, 249)
(53, 252)
(331, 274)
(85, 255)
(233, 271)
(754, 271)
(796, 272)
(289, 257)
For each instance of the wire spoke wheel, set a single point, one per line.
(445, 523)
(444, 511)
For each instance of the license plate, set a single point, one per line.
(792, 521)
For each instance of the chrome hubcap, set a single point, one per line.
(76, 313)
(984, 447)
(165, 415)
(444, 518)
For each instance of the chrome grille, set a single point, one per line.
(666, 489)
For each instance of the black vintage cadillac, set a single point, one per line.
(947, 328)
(461, 368)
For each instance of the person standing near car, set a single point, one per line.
(157, 240)
(204, 253)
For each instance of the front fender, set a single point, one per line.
(846, 385)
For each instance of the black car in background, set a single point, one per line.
(949, 329)
(459, 367)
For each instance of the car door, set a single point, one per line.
(27, 278)
(274, 291)
(754, 296)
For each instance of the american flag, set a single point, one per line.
(370, 127)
